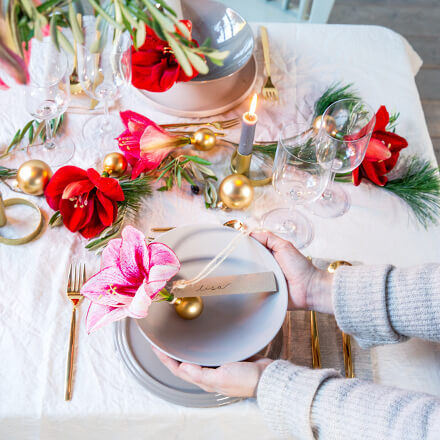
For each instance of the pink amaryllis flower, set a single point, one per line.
(144, 143)
(132, 273)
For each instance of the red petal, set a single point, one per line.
(135, 122)
(377, 150)
(396, 142)
(109, 186)
(59, 181)
(77, 188)
(382, 118)
(106, 209)
(75, 218)
(375, 171)
(356, 176)
(93, 228)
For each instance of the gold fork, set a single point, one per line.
(269, 91)
(76, 278)
(219, 125)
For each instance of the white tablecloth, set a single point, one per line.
(107, 402)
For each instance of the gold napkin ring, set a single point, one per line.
(33, 234)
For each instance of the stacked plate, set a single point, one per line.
(231, 327)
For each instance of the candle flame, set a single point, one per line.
(253, 106)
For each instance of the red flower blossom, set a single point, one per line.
(154, 67)
(145, 144)
(382, 153)
(86, 201)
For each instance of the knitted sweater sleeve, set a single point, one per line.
(377, 305)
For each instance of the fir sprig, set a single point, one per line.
(134, 191)
(419, 187)
(334, 93)
(7, 173)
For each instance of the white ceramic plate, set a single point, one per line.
(200, 99)
(231, 327)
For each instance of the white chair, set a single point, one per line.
(311, 11)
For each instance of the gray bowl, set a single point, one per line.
(227, 30)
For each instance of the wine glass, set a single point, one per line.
(300, 178)
(345, 132)
(103, 75)
(47, 96)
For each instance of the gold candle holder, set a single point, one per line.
(241, 164)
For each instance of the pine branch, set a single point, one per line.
(419, 187)
(334, 93)
(7, 173)
(134, 191)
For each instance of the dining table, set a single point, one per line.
(107, 402)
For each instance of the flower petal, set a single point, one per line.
(133, 255)
(99, 315)
(110, 254)
(107, 209)
(135, 122)
(377, 150)
(140, 303)
(108, 185)
(77, 188)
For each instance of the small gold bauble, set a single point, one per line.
(330, 124)
(236, 191)
(115, 164)
(204, 139)
(33, 176)
(189, 308)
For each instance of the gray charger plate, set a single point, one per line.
(145, 367)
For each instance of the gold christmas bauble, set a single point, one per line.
(236, 191)
(115, 164)
(189, 308)
(204, 139)
(33, 176)
(330, 124)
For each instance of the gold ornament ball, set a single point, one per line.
(330, 124)
(189, 308)
(236, 191)
(204, 139)
(33, 176)
(115, 164)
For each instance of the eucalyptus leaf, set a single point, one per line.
(54, 31)
(180, 55)
(141, 34)
(126, 13)
(162, 19)
(65, 43)
(76, 28)
(104, 15)
(197, 62)
(198, 159)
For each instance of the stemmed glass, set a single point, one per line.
(345, 132)
(103, 75)
(47, 96)
(299, 178)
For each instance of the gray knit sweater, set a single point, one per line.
(377, 305)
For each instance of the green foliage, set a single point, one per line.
(25, 20)
(419, 187)
(7, 173)
(195, 170)
(334, 93)
(134, 191)
(35, 130)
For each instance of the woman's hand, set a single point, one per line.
(236, 379)
(309, 287)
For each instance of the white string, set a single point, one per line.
(214, 263)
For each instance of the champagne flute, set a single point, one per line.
(345, 132)
(103, 75)
(47, 96)
(300, 178)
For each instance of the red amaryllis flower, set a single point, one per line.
(154, 67)
(144, 143)
(382, 152)
(86, 201)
